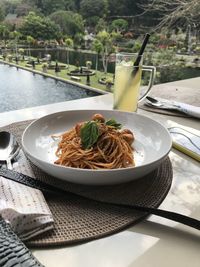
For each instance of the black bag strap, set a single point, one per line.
(29, 181)
(13, 252)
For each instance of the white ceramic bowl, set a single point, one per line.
(152, 144)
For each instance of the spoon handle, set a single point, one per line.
(9, 164)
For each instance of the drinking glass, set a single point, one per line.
(128, 81)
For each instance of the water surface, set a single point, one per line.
(22, 89)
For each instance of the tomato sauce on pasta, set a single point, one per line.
(106, 146)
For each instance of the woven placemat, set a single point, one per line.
(86, 217)
(176, 93)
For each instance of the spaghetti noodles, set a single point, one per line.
(111, 149)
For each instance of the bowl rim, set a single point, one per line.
(29, 154)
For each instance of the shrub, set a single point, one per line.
(88, 64)
(109, 83)
(197, 49)
(9, 57)
(21, 51)
(44, 67)
(137, 46)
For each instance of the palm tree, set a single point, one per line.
(15, 35)
(30, 40)
(4, 33)
(98, 48)
(69, 44)
(107, 47)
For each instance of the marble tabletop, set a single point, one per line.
(154, 242)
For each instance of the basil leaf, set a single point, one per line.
(114, 124)
(89, 134)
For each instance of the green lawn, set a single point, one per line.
(63, 74)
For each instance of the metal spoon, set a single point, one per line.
(192, 111)
(9, 148)
(150, 101)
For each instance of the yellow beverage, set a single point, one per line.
(126, 89)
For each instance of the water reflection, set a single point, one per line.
(21, 89)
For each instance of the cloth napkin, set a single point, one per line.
(24, 208)
(189, 110)
(169, 92)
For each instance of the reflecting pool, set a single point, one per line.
(22, 89)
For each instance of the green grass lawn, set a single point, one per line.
(63, 74)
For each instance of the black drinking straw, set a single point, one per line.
(139, 56)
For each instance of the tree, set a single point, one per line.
(137, 46)
(116, 37)
(174, 12)
(77, 4)
(101, 25)
(70, 23)
(123, 7)
(91, 8)
(69, 44)
(24, 8)
(119, 25)
(30, 40)
(9, 6)
(97, 46)
(40, 27)
(2, 15)
(105, 40)
(49, 6)
(78, 39)
(4, 33)
(92, 21)
(15, 35)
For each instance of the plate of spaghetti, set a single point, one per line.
(96, 147)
